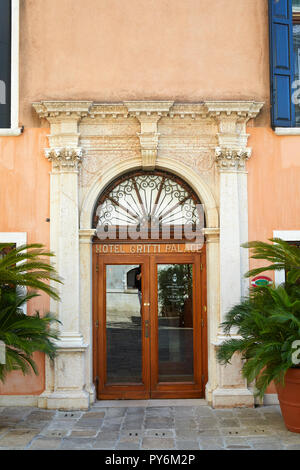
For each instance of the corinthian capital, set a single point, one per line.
(64, 158)
(230, 159)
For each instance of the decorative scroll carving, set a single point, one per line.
(149, 144)
(148, 114)
(64, 158)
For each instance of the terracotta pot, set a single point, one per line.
(289, 399)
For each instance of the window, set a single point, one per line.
(296, 53)
(9, 67)
(285, 62)
(16, 239)
(292, 237)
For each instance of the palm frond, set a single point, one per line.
(29, 266)
(23, 334)
(268, 320)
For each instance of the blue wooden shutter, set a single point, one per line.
(5, 62)
(281, 62)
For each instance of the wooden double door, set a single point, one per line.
(149, 316)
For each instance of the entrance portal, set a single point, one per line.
(149, 295)
(150, 325)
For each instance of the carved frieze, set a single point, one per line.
(203, 135)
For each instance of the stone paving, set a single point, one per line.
(155, 425)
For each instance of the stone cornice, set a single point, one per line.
(48, 109)
(243, 109)
(148, 108)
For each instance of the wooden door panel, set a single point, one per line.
(187, 386)
(108, 385)
(150, 386)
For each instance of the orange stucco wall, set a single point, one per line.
(273, 187)
(24, 207)
(112, 50)
(273, 184)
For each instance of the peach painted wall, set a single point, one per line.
(113, 50)
(24, 207)
(273, 187)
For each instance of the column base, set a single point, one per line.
(91, 390)
(232, 398)
(65, 400)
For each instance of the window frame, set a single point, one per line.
(18, 238)
(288, 236)
(14, 129)
(290, 130)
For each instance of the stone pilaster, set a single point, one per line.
(231, 155)
(66, 382)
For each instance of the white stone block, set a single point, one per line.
(2, 353)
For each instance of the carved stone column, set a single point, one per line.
(66, 382)
(232, 154)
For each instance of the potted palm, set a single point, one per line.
(22, 335)
(267, 329)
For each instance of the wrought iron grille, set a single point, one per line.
(145, 197)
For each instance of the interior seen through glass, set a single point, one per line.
(175, 322)
(123, 324)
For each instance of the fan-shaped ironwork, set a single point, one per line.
(144, 197)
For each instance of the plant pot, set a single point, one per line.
(289, 399)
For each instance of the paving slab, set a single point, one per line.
(75, 444)
(45, 444)
(206, 443)
(147, 424)
(187, 445)
(17, 439)
(155, 443)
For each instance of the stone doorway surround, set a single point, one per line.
(90, 144)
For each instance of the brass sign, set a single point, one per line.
(145, 249)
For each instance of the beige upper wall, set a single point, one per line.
(113, 50)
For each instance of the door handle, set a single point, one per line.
(147, 329)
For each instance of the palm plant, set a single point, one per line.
(24, 334)
(28, 266)
(267, 322)
(281, 256)
(25, 266)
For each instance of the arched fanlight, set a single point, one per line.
(144, 197)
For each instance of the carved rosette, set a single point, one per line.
(228, 159)
(64, 159)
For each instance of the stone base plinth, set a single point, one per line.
(66, 400)
(232, 398)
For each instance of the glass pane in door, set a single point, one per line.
(123, 324)
(175, 322)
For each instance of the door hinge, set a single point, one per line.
(97, 268)
(97, 381)
(202, 323)
(201, 267)
(202, 379)
(96, 323)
